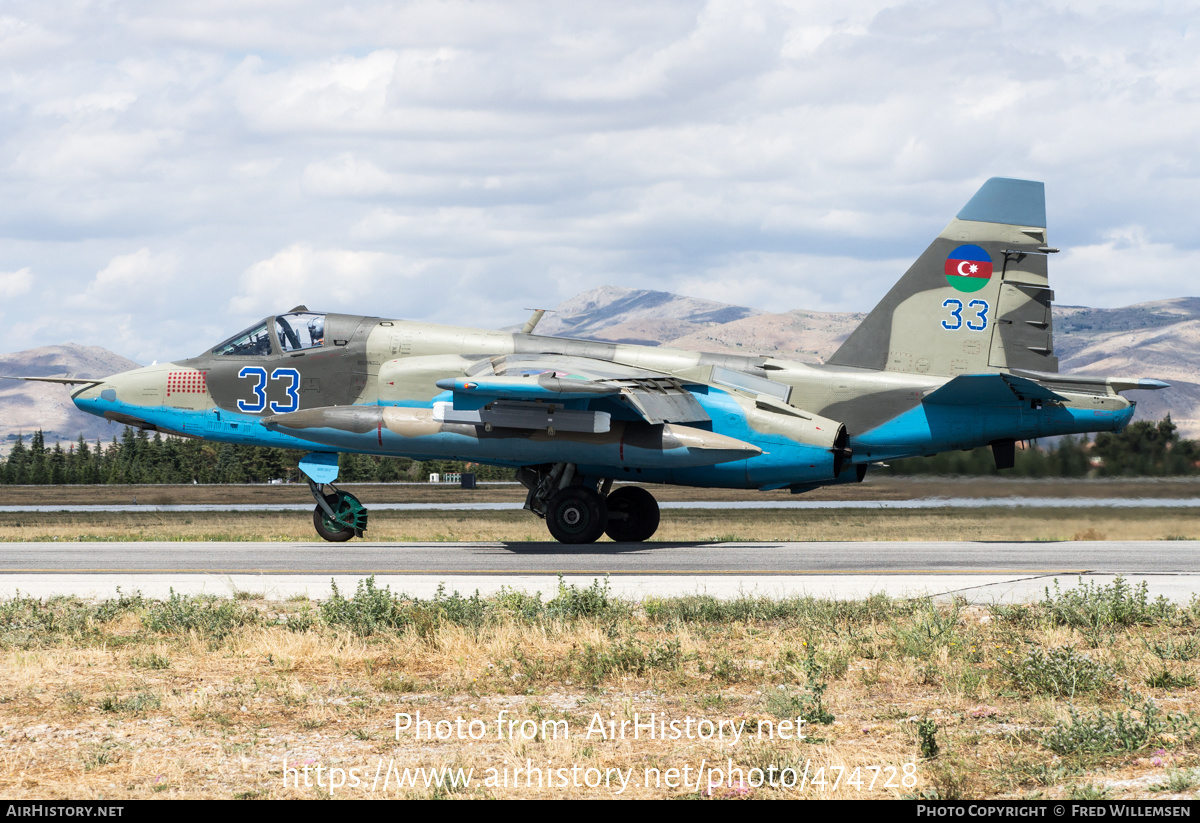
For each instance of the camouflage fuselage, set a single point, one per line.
(371, 387)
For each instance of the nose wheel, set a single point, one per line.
(338, 515)
(340, 518)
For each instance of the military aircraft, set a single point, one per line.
(958, 354)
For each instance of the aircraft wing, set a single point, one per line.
(1008, 388)
(508, 389)
(69, 381)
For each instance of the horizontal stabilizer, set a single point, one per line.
(989, 389)
(1092, 384)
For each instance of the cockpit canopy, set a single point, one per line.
(300, 330)
(294, 331)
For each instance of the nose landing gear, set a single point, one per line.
(338, 515)
(345, 518)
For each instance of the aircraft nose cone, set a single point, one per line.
(87, 397)
(137, 387)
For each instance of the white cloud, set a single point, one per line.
(323, 279)
(459, 160)
(257, 168)
(86, 155)
(22, 40)
(782, 282)
(337, 94)
(1127, 267)
(348, 176)
(15, 283)
(88, 104)
(138, 279)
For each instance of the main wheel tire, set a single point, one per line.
(329, 529)
(632, 515)
(576, 514)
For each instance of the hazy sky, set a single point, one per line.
(170, 172)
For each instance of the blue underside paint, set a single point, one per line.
(219, 425)
(930, 428)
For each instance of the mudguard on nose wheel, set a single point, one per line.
(351, 518)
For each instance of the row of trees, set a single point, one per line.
(1143, 449)
(137, 457)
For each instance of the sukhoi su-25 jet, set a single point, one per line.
(958, 354)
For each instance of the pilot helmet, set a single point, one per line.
(316, 328)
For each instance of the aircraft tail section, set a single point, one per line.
(977, 300)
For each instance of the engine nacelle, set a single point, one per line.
(789, 427)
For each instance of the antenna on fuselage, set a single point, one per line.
(533, 320)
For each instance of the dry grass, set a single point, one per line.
(194, 698)
(678, 525)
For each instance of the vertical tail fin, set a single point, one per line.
(977, 300)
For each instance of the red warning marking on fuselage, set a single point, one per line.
(187, 382)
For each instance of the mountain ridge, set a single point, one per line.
(1159, 339)
(26, 407)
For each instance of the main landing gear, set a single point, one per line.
(578, 509)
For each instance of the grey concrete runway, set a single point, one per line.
(983, 572)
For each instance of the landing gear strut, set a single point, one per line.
(338, 515)
(578, 509)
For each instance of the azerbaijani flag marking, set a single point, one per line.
(968, 268)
